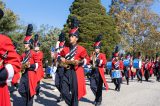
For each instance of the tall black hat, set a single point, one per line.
(1, 13)
(74, 27)
(28, 39)
(98, 42)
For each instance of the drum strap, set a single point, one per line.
(116, 64)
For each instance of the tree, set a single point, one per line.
(9, 22)
(93, 21)
(47, 36)
(48, 39)
(135, 21)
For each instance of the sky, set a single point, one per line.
(51, 12)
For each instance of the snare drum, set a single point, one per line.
(116, 74)
(109, 65)
(137, 63)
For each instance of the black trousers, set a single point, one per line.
(70, 88)
(126, 74)
(117, 82)
(59, 79)
(139, 75)
(146, 74)
(24, 90)
(132, 75)
(157, 72)
(38, 88)
(96, 84)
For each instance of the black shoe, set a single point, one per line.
(98, 104)
(118, 90)
(60, 99)
(94, 102)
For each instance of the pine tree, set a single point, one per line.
(9, 22)
(93, 20)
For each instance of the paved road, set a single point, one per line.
(135, 94)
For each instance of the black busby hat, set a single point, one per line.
(98, 43)
(61, 40)
(28, 39)
(62, 37)
(146, 57)
(138, 55)
(36, 41)
(1, 13)
(116, 51)
(74, 27)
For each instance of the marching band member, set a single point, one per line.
(133, 70)
(127, 69)
(59, 70)
(73, 58)
(9, 66)
(28, 81)
(157, 67)
(98, 61)
(147, 68)
(117, 66)
(40, 71)
(152, 67)
(139, 71)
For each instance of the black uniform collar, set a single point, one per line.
(97, 54)
(72, 46)
(27, 51)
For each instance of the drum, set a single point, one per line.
(116, 74)
(49, 70)
(137, 63)
(133, 69)
(109, 65)
(87, 69)
(126, 62)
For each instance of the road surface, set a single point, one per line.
(134, 94)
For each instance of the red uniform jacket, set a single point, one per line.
(16, 76)
(152, 68)
(40, 72)
(142, 68)
(81, 53)
(117, 65)
(12, 58)
(32, 74)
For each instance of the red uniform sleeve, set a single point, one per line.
(35, 57)
(103, 60)
(62, 53)
(12, 57)
(113, 62)
(121, 65)
(84, 55)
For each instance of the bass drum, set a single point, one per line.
(137, 63)
(109, 65)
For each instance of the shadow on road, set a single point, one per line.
(46, 102)
(86, 100)
(17, 101)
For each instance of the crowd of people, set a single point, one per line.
(68, 61)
